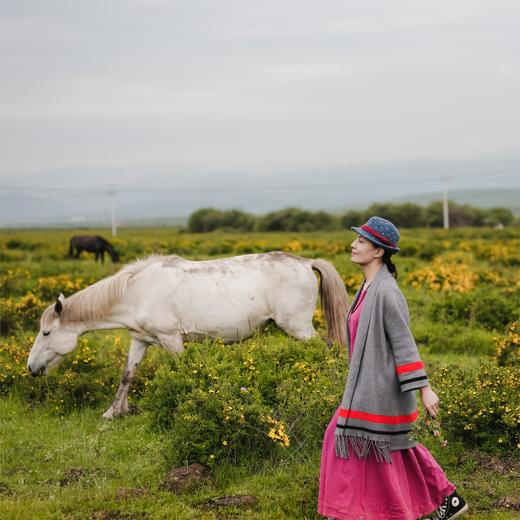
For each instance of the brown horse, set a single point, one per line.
(93, 244)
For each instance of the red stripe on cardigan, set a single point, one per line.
(376, 418)
(378, 235)
(409, 367)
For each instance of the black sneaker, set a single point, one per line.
(452, 507)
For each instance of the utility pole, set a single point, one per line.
(445, 209)
(112, 195)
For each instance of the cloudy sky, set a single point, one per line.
(253, 87)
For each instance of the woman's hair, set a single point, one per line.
(387, 260)
(387, 255)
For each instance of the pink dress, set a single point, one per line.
(412, 486)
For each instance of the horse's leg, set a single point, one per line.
(296, 320)
(136, 354)
(171, 342)
(102, 252)
(78, 251)
(299, 327)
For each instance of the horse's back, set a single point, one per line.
(236, 292)
(270, 260)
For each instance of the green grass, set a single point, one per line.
(71, 466)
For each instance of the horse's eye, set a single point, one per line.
(46, 332)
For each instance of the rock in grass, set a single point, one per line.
(186, 478)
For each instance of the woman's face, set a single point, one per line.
(364, 252)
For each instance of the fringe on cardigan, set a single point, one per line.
(361, 446)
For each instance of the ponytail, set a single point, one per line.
(388, 262)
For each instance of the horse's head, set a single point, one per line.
(115, 257)
(54, 340)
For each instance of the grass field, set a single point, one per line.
(60, 460)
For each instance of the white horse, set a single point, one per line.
(167, 300)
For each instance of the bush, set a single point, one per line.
(445, 339)
(264, 398)
(423, 249)
(444, 276)
(508, 347)
(23, 313)
(490, 309)
(210, 219)
(405, 215)
(295, 219)
(495, 311)
(352, 218)
(452, 308)
(480, 409)
(88, 377)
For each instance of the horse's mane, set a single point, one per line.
(95, 301)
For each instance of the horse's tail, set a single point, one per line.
(71, 246)
(334, 300)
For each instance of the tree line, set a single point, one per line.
(404, 215)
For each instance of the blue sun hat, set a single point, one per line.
(380, 231)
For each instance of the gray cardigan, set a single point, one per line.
(378, 408)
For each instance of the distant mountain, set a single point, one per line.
(160, 193)
(504, 198)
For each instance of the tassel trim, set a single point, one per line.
(362, 446)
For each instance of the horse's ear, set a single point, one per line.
(58, 306)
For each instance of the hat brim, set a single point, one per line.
(374, 239)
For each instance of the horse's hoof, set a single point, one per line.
(109, 414)
(114, 413)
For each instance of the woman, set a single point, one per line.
(370, 468)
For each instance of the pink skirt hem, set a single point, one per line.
(412, 486)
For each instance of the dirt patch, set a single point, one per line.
(13, 471)
(186, 478)
(129, 493)
(71, 475)
(502, 465)
(508, 503)
(5, 489)
(119, 515)
(233, 501)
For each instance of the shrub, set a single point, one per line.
(495, 311)
(444, 276)
(88, 377)
(444, 339)
(453, 307)
(480, 409)
(295, 219)
(491, 309)
(23, 313)
(15, 243)
(210, 219)
(245, 402)
(508, 347)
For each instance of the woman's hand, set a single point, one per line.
(430, 400)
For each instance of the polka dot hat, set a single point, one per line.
(380, 231)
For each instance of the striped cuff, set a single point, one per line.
(411, 376)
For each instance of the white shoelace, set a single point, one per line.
(441, 511)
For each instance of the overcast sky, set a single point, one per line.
(255, 86)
